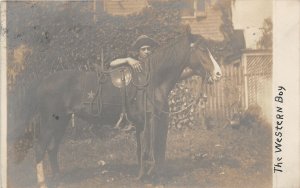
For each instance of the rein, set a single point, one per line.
(195, 101)
(101, 78)
(148, 77)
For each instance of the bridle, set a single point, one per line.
(193, 102)
(199, 96)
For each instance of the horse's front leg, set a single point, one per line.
(143, 147)
(159, 131)
(139, 154)
(160, 140)
(138, 144)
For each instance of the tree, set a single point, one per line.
(266, 41)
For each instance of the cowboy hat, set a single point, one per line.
(144, 40)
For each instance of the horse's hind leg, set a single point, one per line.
(48, 139)
(143, 150)
(53, 147)
(53, 158)
(40, 150)
(40, 175)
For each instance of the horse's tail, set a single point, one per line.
(22, 111)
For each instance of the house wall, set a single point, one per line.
(208, 26)
(124, 7)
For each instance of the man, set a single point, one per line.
(144, 45)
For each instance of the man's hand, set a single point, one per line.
(135, 64)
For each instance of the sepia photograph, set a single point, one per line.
(140, 93)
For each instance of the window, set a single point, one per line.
(193, 8)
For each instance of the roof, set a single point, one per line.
(238, 44)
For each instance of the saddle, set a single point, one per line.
(121, 77)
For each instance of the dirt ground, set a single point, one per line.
(220, 156)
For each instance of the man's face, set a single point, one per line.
(145, 51)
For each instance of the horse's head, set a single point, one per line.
(203, 63)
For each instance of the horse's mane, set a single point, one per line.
(170, 54)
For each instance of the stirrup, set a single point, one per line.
(124, 123)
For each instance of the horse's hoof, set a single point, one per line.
(55, 179)
(42, 185)
(150, 171)
(140, 177)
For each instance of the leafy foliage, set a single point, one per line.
(45, 37)
(63, 35)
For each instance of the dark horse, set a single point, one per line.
(58, 96)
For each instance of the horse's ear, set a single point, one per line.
(188, 29)
(188, 33)
(194, 38)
